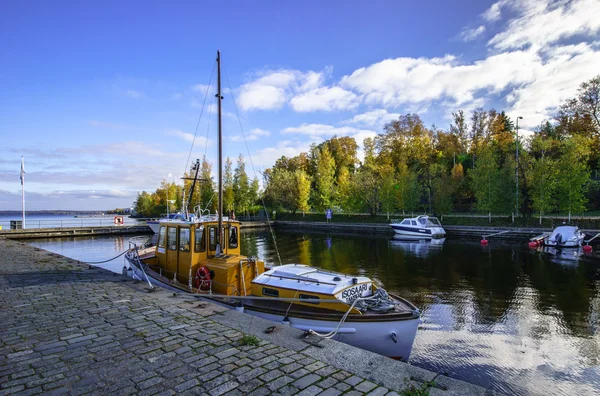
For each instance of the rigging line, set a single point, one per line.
(200, 117)
(253, 168)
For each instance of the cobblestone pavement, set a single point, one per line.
(67, 328)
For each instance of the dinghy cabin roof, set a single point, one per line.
(309, 279)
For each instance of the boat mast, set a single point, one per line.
(220, 207)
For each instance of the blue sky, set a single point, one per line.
(102, 99)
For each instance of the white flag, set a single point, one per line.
(22, 171)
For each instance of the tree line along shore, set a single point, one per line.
(480, 164)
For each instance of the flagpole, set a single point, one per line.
(23, 190)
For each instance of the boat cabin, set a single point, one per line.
(187, 249)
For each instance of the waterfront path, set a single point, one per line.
(68, 328)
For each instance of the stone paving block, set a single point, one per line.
(186, 385)
(342, 386)
(250, 385)
(279, 382)
(379, 391)
(149, 382)
(330, 392)
(254, 373)
(299, 373)
(223, 388)
(271, 375)
(328, 382)
(365, 386)
(311, 391)
(354, 380)
(260, 392)
(287, 390)
(306, 381)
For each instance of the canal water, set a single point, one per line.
(503, 316)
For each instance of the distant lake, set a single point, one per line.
(52, 220)
(507, 318)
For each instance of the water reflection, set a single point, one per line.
(502, 316)
(417, 246)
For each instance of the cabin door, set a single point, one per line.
(172, 252)
(184, 255)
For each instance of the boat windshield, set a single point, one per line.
(429, 221)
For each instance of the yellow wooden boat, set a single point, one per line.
(201, 256)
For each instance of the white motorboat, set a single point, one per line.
(422, 226)
(565, 236)
(200, 256)
(153, 224)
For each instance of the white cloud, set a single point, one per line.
(472, 34)
(543, 22)
(405, 81)
(494, 13)
(254, 134)
(202, 88)
(374, 119)
(267, 156)
(188, 137)
(274, 88)
(326, 99)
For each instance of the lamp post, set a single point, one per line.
(517, 167)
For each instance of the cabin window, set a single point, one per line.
(413, 222)
(172, 238)
(309, 299)
(270, 292)
(233, 237)
(212, 238)
(184, 239)
(406, 222)
(161, 236)
(200, 244)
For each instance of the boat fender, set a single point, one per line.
(203, 278)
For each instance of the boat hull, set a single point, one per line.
(371, 336)
(393, 338)
(436, 232)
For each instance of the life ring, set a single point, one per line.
(203, 279)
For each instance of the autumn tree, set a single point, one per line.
(241, 187)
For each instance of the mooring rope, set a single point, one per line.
(105, 261)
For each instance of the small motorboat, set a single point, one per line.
(565, 236)
(422, 226)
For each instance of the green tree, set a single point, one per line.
(228, 196)
(241, 187)
(324, 182)
(573, 175)
(303, 190)
(543, 176)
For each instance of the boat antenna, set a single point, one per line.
(220, 205)
(197, 169)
